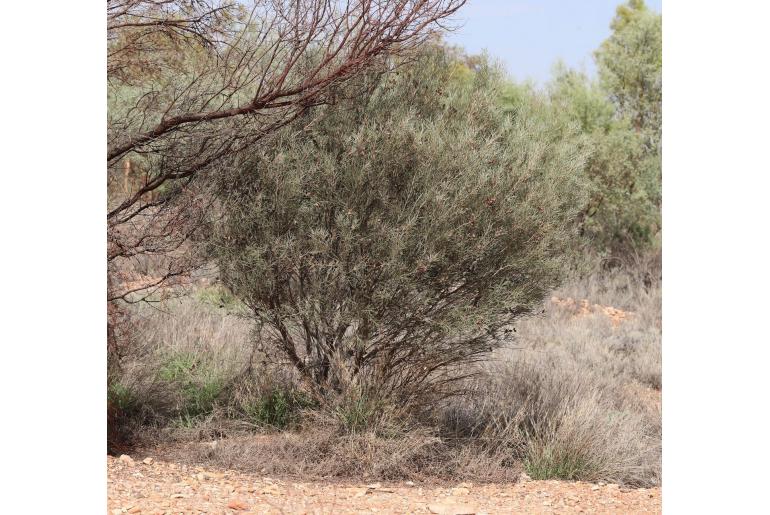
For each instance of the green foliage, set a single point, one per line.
(199, 385)
(358, 413)
(620, 117)
(558, 462)
(630, 64)
(385, 242)
(177, 366)
(219, 297)
(278, 409)
(122, 397)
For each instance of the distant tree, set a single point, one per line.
(630, 65)
(620, 115)
(385, 245)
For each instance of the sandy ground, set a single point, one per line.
(156, 487)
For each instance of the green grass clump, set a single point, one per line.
(554, 462)
(278, 409)
(358, 414)
(217, 296)
(122, 397)
(199, 385)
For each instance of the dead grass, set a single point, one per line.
(577, 394)
(323, 453)
(574, 395)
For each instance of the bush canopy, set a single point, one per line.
(386, 243)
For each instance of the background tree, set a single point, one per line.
(620, 115)
(630, 64)
(386, 244)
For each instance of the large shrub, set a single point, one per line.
(385, 243)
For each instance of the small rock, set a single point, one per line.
(594, 487)
(147, 461)
(374, 486)
(126, 459)
(409, 483)
(237, 505)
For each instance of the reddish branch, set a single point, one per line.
(214, 78)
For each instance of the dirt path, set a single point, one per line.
(153, 487)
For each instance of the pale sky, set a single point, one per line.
(528, 36)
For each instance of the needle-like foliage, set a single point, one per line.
(386, 244)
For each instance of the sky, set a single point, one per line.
(529, 36)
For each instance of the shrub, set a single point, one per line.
(384, 245)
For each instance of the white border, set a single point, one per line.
(52, 211)
(716, 188)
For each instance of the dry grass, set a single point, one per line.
(321, 452)
(574, 396)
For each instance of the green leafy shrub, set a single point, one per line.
(383, 245)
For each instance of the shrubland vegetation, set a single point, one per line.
(380, 266)
(384, 244)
